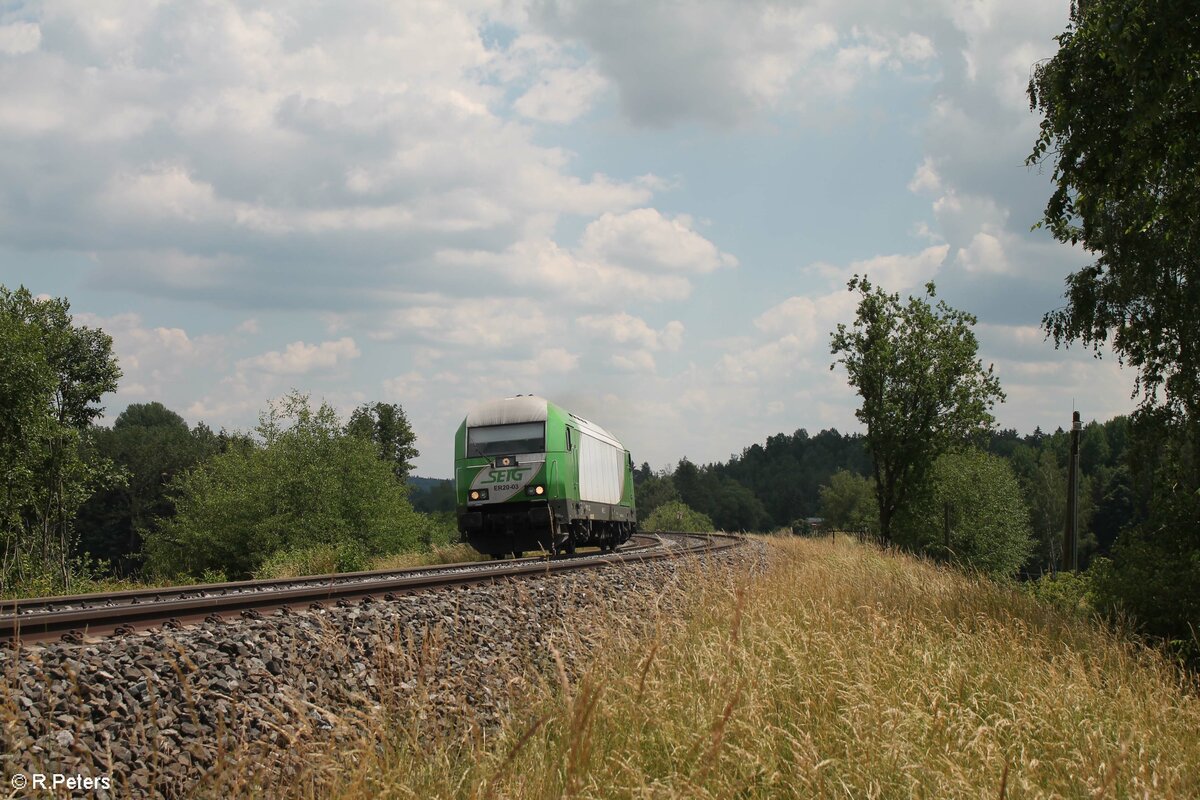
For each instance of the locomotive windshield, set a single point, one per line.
(499, 440)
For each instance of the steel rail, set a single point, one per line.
(74, 624)
(158, 594)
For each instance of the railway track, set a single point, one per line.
(75, 617)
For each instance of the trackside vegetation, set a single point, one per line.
(676, 516)
(842, 671)
(310, 485)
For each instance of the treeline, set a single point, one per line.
(790, 479)
(150, 498)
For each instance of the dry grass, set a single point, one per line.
(438, 554)
(843, 672)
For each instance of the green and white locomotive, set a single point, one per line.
(531, 475)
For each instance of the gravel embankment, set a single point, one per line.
(156, 712)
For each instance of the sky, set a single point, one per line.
(645, 211)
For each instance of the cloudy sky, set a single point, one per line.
(646, 211)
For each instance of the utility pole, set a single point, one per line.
(1071, 539)
(946, 527)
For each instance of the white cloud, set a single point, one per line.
(471, 323)
(299, 358)
(724, 61)
(18, 38)
(624, 328)
(157, 361)
(926, 178)
(984, 254)
(633, 361)
(341, 150)
(646, 240)
(900, 272)
(561, 95)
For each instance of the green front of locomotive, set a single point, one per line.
(510, 477)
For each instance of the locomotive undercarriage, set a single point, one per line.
(556, 526)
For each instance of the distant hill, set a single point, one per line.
(431, 494)
(425, 484)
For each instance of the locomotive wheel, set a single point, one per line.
(570, 546)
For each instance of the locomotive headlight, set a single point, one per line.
(535, 491)
(478, 494)
(506, 462)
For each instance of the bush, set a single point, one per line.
(676, 516)
(989, 521)
(1066, 591)
(320, 559)
(308, 486)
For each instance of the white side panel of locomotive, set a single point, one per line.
(601, 470)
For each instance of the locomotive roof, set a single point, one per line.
(531, 408)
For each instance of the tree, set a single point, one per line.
(151, 444)
(677, 516)
(52, 376)
(653, 492)
(309, 483)
(848, 502)
(387, 427)
(923, 389)
(1119, 102)
(989, 523)
(1045, 491)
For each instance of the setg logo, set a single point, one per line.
(504, 482)
(495, 476)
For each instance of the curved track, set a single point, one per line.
(73, 617)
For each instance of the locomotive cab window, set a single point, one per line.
(498, 440)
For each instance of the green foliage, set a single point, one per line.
(386, 426)
(655, 491)
(1155, 570)
(1045, 491)
(923, 389)
(52, 376)
(787, 472)
(429, 496)
(1119, 102)
(319, 559)
(731, 506)
(676, 516)
(848, 502)
(308, 484)
(1067, 591)
(989, 523)
(151, 445)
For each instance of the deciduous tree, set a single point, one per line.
(386, 425)
(922, 386)
(848, 502)
(1120, 101)
(52, 376)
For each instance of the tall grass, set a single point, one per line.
(843, 671)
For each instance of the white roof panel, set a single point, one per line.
(527, 408)
(530, 408)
